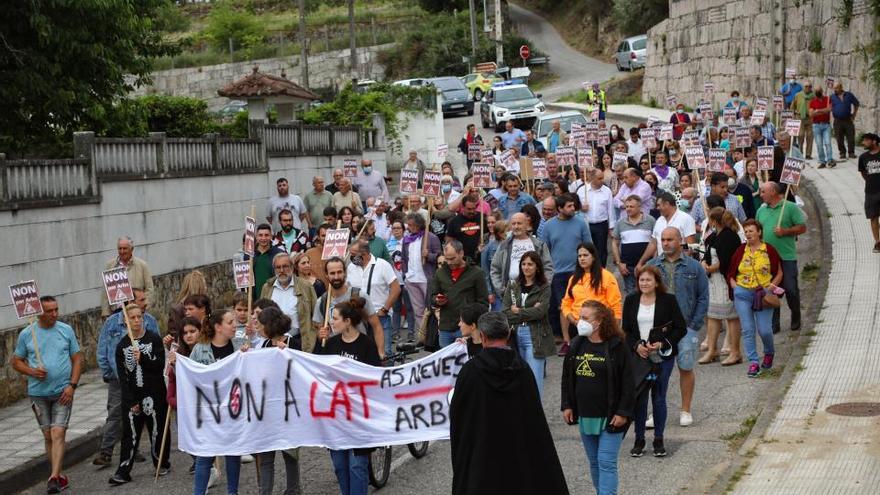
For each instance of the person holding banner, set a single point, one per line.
(48, 354)
(347, 317)
(680, 120)
(418, 264)
(140, 367)
(296, 298)
(345, 196)
(139, 276)
(375, 278)
(217, 341)
(470, 138)
(499, 437)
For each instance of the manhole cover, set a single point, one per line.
(859, 409)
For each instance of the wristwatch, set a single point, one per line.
(74, 385)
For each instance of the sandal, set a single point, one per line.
(708, 358)
(725, 351)
(730, 361)
(704, 346)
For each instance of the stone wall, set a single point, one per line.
(327, 69)
(747, 44)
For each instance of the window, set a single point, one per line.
(512, 94)
(640, 44)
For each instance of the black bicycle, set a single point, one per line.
(380, 458)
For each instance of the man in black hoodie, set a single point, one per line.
(496, 417)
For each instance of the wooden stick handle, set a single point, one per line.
(782, 210)
(164, 441)
(33, 327)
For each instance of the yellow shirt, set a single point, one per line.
(754, 264)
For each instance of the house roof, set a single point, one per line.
(257, 84)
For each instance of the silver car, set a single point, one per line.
(631, 53)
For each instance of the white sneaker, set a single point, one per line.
(685, 419)
(215, 476)
(649, 424)
(247, 459)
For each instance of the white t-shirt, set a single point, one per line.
(291, 202)
(680, 220)
(645, 319)
(518, 248)
(379, 286)
(415, 273)
(286, 300)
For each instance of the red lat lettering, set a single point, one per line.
(362, 387)
(340, 397)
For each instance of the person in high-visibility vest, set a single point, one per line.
(596, 96)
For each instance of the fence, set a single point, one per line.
(32, 183)
(301, 139)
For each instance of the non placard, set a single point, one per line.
(409, 180)
(578, 137)
(442, 151)
(116, 285)
(792, 169)
(473, 152)
(482, 175)
(778, 103)
(335, 243)
(790, 73)
(716, 159)
(619, 158)
(671, 102)
(652, 120)
(729, 116)
(250, 235)
(743, 138)
(592, 130)
(26, 299)
(487, 155)
(604, 139)
(565, 156)
(350, 167)
(761, 104)
(666, 132)
(242, 272)
(793, 127)
(585, 158)
(594, 114)
(765, 157)
(431, 183)
(695, 157)
(648, 137)
(829, 82)
(758, 117)
(709, 89)
(508, 160)
(539, 168)
(706, 112)
(690, 137)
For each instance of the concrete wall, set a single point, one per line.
(327, 69)
(733, 43)
(422, 132)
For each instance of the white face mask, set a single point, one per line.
(585, 328)
(731, 183)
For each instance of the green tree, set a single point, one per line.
(445, 5)
(226, 23)
(64, 63)
(632, 17)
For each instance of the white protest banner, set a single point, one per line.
(618, 158)
(539, 168)
(473, 151)
(116, 285)
(761, 104)
(508, 160)
(742, 137)
(829, 82)
(717, 159)
(26, 299)
(271, 399)
(778, 103)
(793, 127)
(585, 158)
(765, 157)
(790, 73)
(431, 183)
(592, 129)
(666, 133)
(649, 139)
(729, 116)
(250, 235)
(482, 175)
(565, 156)
(442, 151)
(242, 272)
(695, 157)
(758, 117)
(349, 167)
(671, 102)
(335, 243)
(409, 180)
(791, 171)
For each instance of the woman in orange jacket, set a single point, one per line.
(589, 282)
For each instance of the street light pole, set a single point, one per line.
(473, 16)
(351, 40)
(303, 41)
(499, 46)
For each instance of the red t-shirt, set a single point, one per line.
(819, 104)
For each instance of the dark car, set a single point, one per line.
(454, 96)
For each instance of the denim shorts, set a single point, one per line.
(50, 413)
(688, 348)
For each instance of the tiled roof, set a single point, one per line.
(258, 84)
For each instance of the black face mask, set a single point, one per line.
(357, 260)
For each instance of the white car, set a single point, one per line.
(410, 82)
(510, 101)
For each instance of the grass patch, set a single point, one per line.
(737, 475)
(810, 272)
(774, 373)
(811, 333)
(799, 367)
(736, 438)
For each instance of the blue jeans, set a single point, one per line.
(351, 471)
(448, 337)
(557, 292)
(527, 353)
(752, 321)
(822, 135)
(388, 333)
(203, 472)
(658, 403)
(602, 451)
(396, 317)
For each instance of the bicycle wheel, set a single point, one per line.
(418, 449)
(380, 466)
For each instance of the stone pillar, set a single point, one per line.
(285, 112)
(257, 109)
(158, 138)
(83, 146)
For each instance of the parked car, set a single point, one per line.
(478, 84)
(544, 123)
(411, 82)
(232, 108)
(510, 100)
(454, 96)
(631, 53)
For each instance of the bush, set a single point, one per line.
(225, 23)
(177, 116)
(170, 19)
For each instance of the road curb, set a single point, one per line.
(771, 406)
(37, 470)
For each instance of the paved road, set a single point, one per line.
(572, 66)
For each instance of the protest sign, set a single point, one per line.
(765, 157)
(793, 127)
(790, 73)
(473, 151)
(349, 167)
(242, 272)
(565, 156)
(575, 126)
(26, 299)
(431, 183)
(116, 285)
(482, 175)
(409, 180)
(671, 102)
(761, 104)
(585, 158)
(786, 115)
(604, 139)
(578, 137)
(758, 117)
(592, 130)
(539, 168)
(829, 82)
(729, 116)
(717, 159)
(619, 158)
(792, 169)
(778, 103)
(594, 114)
(706, 112)
(508, 160)
(690, 137)
(666, 132)
(709, 89)
(525, 170)
(487, 155)
(695, 157)
(651, 121)
(743, 139)
(648, 137)
(271, 399)
(442, 151)
(335, 243)
(250, 235)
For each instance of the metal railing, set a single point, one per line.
(35, 183)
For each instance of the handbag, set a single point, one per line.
(763, 298)
(429, 331)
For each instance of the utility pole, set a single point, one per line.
(303, 42)
(473, 15)
(499, 46)
(351, 41)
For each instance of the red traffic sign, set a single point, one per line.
(524, 52)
